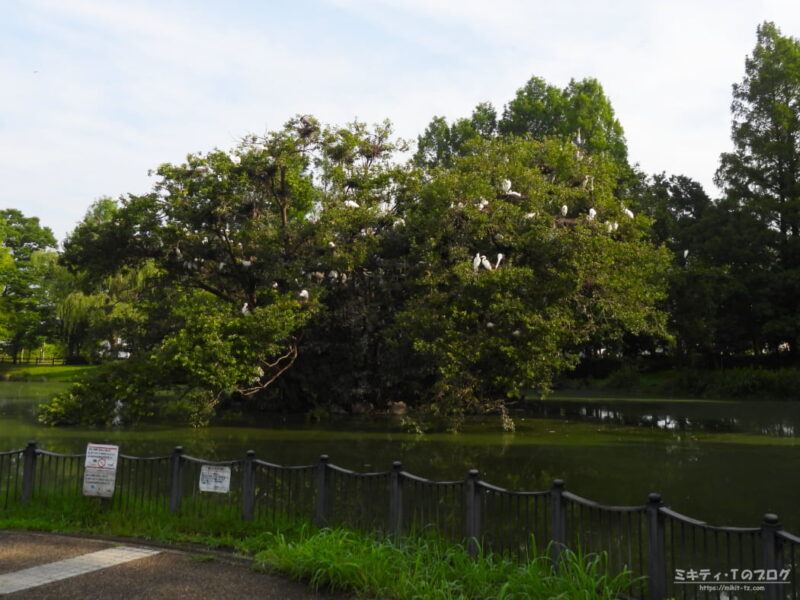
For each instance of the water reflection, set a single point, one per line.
(725, 463)
(774, 419)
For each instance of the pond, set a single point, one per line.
(723, 462)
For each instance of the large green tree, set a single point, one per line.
(761, 179)
(25, 308)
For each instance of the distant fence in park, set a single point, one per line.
(35, 361)
(680, 556)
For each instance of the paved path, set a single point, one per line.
(40, 566)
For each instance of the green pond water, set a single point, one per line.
(723, 462)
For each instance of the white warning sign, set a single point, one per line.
(214, 478)
(100, 470)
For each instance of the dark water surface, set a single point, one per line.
(723, 462)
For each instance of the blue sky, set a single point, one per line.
(95, 92)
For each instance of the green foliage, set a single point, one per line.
(761, 181)
(487, 335)
(427, 567)
(25, 261)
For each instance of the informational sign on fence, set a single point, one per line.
(100, 470)
(215, 478)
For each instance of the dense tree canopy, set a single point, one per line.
(307, 268)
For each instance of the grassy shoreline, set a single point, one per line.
(55, 374)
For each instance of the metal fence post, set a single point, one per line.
(396, 500)
(28, 471)
(321, 512)
(656, 559)
(559, 524)
(176, 469)
(769, 527)
(249, 486)
(472, 505)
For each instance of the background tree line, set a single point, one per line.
(308, 267)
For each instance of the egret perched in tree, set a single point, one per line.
(398, 223)
(531, 215)
(351, 204)
(499, 258)
(564, 210)
(592, 214)
(247, 264)
(476, 262)
(506, 185)
(485, 263)
(245, 309)
(331, 245)
(482, 203)
(304, 295)
(627, 212)
(236, 159)
(685, 253)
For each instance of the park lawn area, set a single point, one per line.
(58, 373)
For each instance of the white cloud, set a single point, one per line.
(122, 87)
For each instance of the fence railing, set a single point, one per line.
(36, 361)
(677, 556)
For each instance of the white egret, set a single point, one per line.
(627, 212)
(245, 309)
(506, 185)
(516, 333)
(304, 295)
(485, 263)
(685, 253)
(592, 214)
(247, 264)
(490, 325)
(398, 223)
(331, 244)
(476, 262)
(236, 159)
(499, 258)
(274, 285)
(531, 215)
(616, 225)
(564, 210)
(351, 204)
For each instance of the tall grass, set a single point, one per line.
(430, 568)
(368, 565)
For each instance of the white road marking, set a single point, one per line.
(62, 569)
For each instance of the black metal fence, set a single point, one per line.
(672, 555)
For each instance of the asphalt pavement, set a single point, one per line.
(39, 566)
